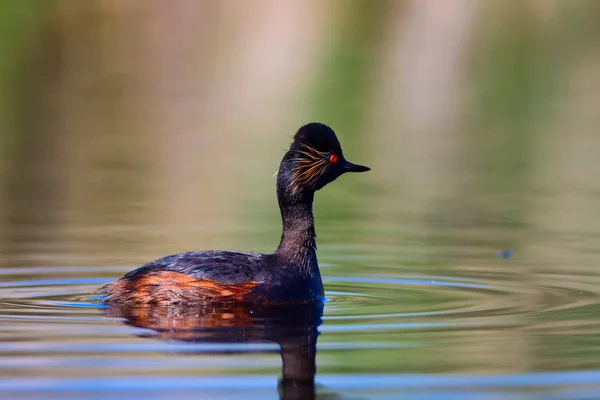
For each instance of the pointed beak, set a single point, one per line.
(349, 167)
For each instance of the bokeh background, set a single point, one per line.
(135, 129)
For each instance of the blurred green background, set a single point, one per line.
(131, 128)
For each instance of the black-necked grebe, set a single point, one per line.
(289, 275)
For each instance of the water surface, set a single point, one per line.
(464, 265)
(490, 333)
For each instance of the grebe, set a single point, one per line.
(289, 275)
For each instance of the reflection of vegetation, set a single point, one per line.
(340, 97)
(28, 68)
(64, 116)
(519, 68)
(509, 80)
(18, 22)
(341, 93)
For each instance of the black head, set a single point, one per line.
(315, 158)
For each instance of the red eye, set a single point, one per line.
(333, 158)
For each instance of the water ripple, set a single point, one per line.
(51, 327)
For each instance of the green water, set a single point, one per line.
(464, 265)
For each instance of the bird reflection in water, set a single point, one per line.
(293, 327)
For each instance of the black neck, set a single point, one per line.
(298, 239)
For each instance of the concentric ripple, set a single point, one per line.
(373, 326)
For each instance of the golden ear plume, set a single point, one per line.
(311, 164)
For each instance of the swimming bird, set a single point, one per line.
(288, 275)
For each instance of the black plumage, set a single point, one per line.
(290, 274)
